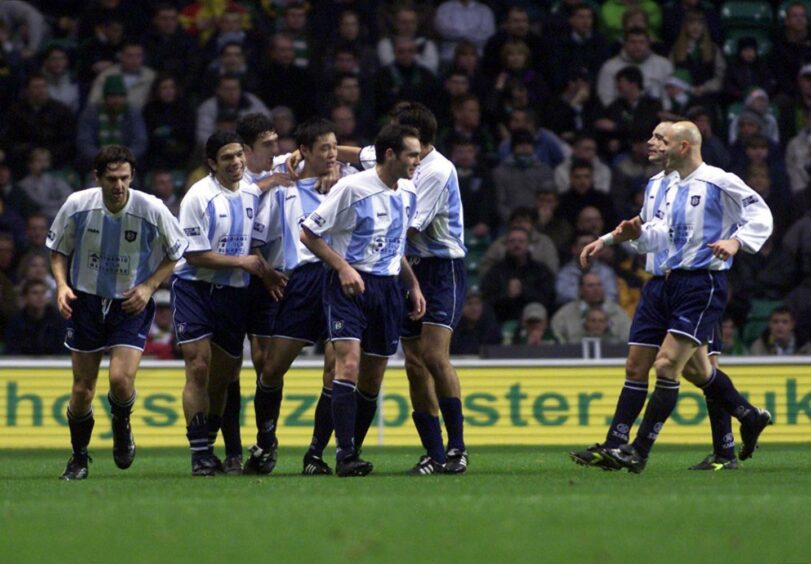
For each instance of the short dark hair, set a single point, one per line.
(113, 154)
(636, 30)
(251, 126)
(581, 163)
(35, 76)
(29, 283)
(218, 140)
(781, 310)
(229, 76)
(523, 212)
(521, 137)
(308, 132)
(420, 118)
(392, 137)
(631, 74)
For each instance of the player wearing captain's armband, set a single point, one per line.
(366, 217)
(111, 248)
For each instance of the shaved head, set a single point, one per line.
(686, 131)
(682, 147)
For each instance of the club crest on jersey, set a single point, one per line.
(249, 211)
(695, 200)
(130, 235)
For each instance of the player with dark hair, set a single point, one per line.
(209, 289)
(111, 248)
(366, 216)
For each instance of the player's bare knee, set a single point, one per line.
(636, 371)
(82, 394)
(666, 368)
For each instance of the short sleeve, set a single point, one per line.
(329, 213)
(175, 242)
(62, 234)
(194, 222)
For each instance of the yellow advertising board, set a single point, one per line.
(504, 403)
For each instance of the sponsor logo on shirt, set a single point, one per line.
(232, 245)
(192, 231)
(110, 264)
(749, 201)
(695, 200)
(130, 235)
(318, 220)
(249, 212)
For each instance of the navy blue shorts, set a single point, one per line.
(696, 301)
(716, 345)
(443, 283)
(649, 325)
(300, 316)
(99, 324)
(261, 314)
(373, 318)
(201, 309)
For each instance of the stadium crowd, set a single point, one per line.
(544, 107)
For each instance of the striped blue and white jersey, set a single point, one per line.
(111, 253)
(654, 195)
(367, 221)
(707, 206)
(287, 208)
(272, 249)
(219, 220)
(439, 219)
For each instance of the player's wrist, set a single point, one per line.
(608, 239)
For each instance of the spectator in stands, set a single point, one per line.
(517, 280)
(46, 190)
(160, 341)
(582, 193)
(8, 299)
(111, 122)
(633, 169)
(636, 51)
(234, 24)
(633, 110)
(467, 124)
(34, 265)
(26, 27)
(477, 327)
(574, 111)
(541, 247)
(466, 57)
(136, 76)
(678, 95)
(230, 60)
(36, 231)
(550, 223)
(791, 49)
(732, 344)
(516, 68)
(568, 324)
(38, 329)
(456, 84)
(476, 188)
(169, 49)
(713, 151)
(778, 338)
(347, 91)
(582, 47)
(797, 242)
(297, 92)
(759, 178)
(568, 277)
(794, 110)
(590, 220)
(405, 23)
(228, 96)
(404, 79)
(162, 187)
(463, 19)
(294, 23)
(757, 152)
(757, 101)
(203, 19)
(548, 148)
(98, 52)
(533, 330)
(14, 204)
(596, 326)
(520, 175)
(750, 124)
(284, 122)
(584, 148)
(673, 15)
(62, 87)
(798, 160)
(169, 124)
(746, 71)
(516, 27)
(346, 126)
(37, 120)
(612, 13)
(350, 37)
(695, 52)
(8, 257)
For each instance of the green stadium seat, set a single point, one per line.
(507, 330)
(758, 319)
(730, 46)
(746, 14)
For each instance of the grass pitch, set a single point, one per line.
(516, 504)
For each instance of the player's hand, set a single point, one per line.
(351, 282)
(327, 181)
(725, 248)
(64, 295)
(136, 299)
(292, 162)
(589, 251)
(417, 303)
(254, 264)
(628, 229)
(274, 180)
(275, 282)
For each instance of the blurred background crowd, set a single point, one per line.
(545, 108)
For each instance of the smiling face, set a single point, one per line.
(115, 185)
(655, 146)
(230, 164)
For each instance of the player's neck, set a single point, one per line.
(386, 177)
(232, 186)
(425, 150)
(309, 172)
(114, 208)
(689, 166)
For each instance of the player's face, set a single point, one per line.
(673, 150)
(230, 164)
(115, 184)
(261, 153)
(655, 145)
(323, 155)
(406, 162)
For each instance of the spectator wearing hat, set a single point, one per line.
(533, 329)
(111, 122)
(568, 324)
(757, 101)
(791, 49)
(520, 175)
(477, 327)
(678, 95)
(160, 341)
(581, 47)
(574, 111)
(137, 77)
(713, 151)
(747, 70)
(37, 329)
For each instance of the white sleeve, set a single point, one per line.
(755, 219)
(267, 225)
(62, 234)
(330, 214)
(174, 241)
(429, 199)
(195, 223)
(654, 237)
(367, 157)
